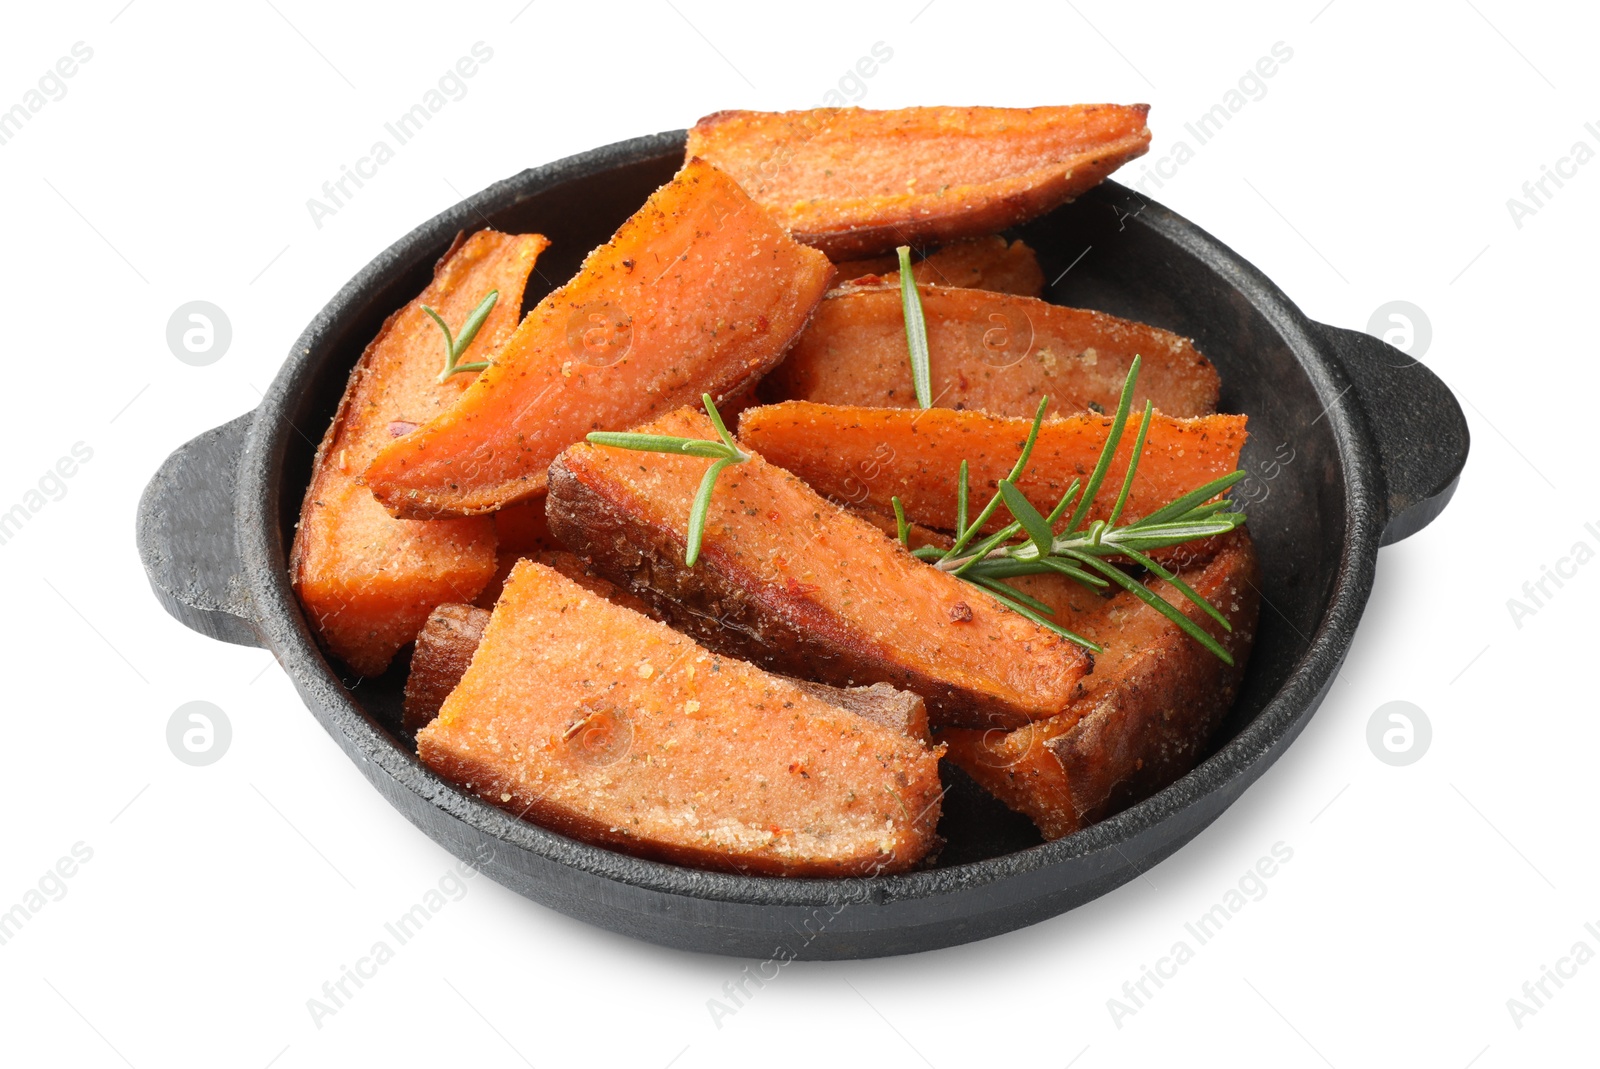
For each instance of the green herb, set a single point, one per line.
(916, 330)
(725, 452)
(1085, 553)
(456, 344)
(901, 527)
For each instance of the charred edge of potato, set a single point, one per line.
(443, 654)
(1133, 734)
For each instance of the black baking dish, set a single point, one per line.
(1352, 446)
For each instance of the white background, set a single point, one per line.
(219, 899)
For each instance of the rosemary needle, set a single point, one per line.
(916, 330)
(456, 344)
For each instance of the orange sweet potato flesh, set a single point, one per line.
(1149, 707)
(989, 351)
(986, 263)
(450, 637)
(366, 579)
(801, 587)
(568, 564)
(855, 183)
(867, 456)
(606, 726)
(521, 528)
(700, 291)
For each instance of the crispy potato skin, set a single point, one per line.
(991, 351)
(606, 726)
(1150, 706)
(866, 457)
(986, 263)
(898, 710)
(802, 588)
(856, 183)
(442, 656)
(699, 291)
(367, 580)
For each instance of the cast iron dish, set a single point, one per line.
(1352, 446)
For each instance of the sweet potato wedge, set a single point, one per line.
(447, 641)
(604, 725)
(366, 579)
(801, 587)
(699, 291)
(986, 263)
(1149, 707)
(442, 655)
(989, 351)
(867, 456)
(856, 183)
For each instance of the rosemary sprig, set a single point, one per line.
(456, 344)
(1085, 553)
(725, 452)
(916, 330)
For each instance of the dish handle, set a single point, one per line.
(1417, 425)
(186, 534)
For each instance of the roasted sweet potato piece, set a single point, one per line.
(801, 587)
(606, 726)
(699, 291)
(442, 656)
(986, 263)
(868, 456)
(366, 579)
(856, 183)
(447, 641)
(989, 351)
(1148, 709)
